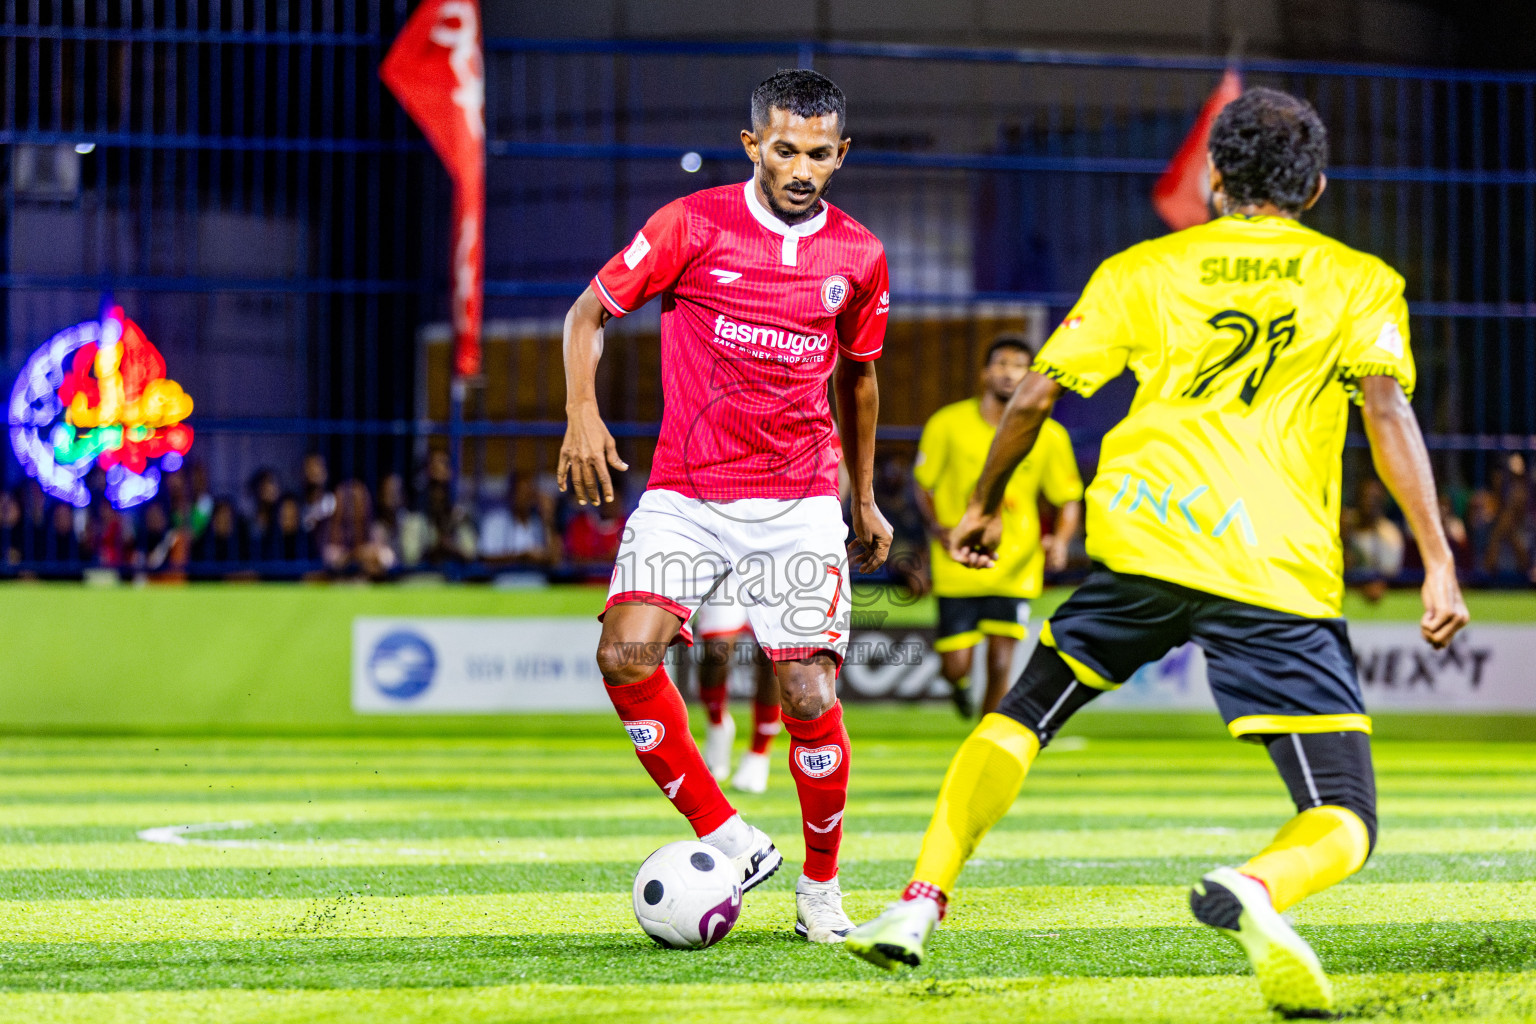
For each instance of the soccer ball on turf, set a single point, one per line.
(687, 895)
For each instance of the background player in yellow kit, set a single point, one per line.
(1214, 517)
(992, 602)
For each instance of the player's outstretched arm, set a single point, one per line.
(858, 407)
(1402, 462)
(588, 449)
(974, 539)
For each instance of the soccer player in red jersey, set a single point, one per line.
(767, 291)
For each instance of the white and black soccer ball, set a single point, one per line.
(687, 895)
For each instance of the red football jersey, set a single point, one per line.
(751, 312)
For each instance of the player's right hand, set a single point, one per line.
(585, 455)
(973, 541)
(1444, 610)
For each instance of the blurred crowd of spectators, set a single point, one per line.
(1491, 530)
(314, 529)
(521, 528)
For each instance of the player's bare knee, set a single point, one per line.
(624, 662)
(807, 687)
(1000, 652)
(714, 654)
(954, 665)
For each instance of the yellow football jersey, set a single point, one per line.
(949, 459)
(1247, 336)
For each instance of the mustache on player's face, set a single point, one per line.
(800, 189)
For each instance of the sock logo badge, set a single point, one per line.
(647, 734)
(819, 762)
(832, 823)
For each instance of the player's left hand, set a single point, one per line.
(872, 537)
(1445, 613)
(973, 541)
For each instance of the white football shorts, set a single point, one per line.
(781, 564)
(718, 617)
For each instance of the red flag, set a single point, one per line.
(1182, 196)
(436, 71)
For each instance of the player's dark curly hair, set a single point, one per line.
(1270, 147)
(1009, 342)
(800, 91)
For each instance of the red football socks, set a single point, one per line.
(818, 759)
(765, 726)
(714, 699)
(656, 719)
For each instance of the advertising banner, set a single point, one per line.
(475, 665)
(493, 665)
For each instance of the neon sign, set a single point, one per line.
(97, 394)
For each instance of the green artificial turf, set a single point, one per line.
(486, 879)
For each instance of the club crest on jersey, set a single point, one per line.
(1072, 323)
(819, 762)
(834, 292)
(646, 733)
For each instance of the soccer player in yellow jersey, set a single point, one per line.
(1214, 517)
(992, 602)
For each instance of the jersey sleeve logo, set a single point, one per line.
(1390, 339)
(834, 292)
(884, 305)
(1072, 323)
(637, 250)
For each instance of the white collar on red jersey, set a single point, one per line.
(792, 233)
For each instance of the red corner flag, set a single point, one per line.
(436, 71)
(1182, 196)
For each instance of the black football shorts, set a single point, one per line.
(963, 621)
(1270, 671)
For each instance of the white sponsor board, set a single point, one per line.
(488, 665)
(475, 666)
(1486, 668)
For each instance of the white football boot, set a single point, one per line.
(718, 740)
(751, 852)
(1290, 976)
(752, 773)
(896, 936)
(819, 913)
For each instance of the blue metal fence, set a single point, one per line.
(237, 175)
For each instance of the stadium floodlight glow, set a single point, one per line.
(97, 394)
(692, 161)
(85, 148)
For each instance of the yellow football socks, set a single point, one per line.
(1315, 849)
(980, 786)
